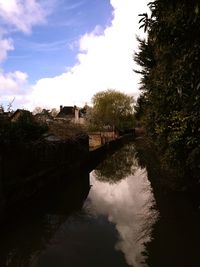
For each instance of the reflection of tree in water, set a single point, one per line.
(118, 166)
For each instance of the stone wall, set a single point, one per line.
(100, 138)
(99, 153)
(25, 169)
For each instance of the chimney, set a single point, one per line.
(76, 115)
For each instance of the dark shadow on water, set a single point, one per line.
(25, 234)
(176, 235)
(82, 241)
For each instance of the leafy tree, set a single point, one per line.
(113, 108)
(170, 84)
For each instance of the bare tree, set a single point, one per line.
(37, 110)
(9, 107)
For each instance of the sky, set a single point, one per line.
(62, 52)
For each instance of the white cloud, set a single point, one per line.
(13, 85)
(5, 46)
(22, 14)
(19, 15)
(105, 60)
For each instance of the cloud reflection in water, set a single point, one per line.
(129, 204)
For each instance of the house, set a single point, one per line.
(19, 113)
(71, 114)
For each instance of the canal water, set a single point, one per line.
(106, 218)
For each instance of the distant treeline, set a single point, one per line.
(169, 105)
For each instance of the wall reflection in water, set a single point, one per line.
(126, 198)
(25, 238)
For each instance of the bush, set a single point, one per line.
(25, 129)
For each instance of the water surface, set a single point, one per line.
(108, 227)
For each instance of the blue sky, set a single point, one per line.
(48, 51)
(56, 52)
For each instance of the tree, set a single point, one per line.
(170, 84)
(9, 109)
(53, 112)
(113, 108)
(25, 129)
(37, 110)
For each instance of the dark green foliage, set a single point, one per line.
(25, 129)
(120, 165)
(169, 105)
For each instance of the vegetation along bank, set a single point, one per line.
(168, 106)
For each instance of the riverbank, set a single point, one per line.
(176, 234)
(30, 169)
(165, 181)
(98, 154)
